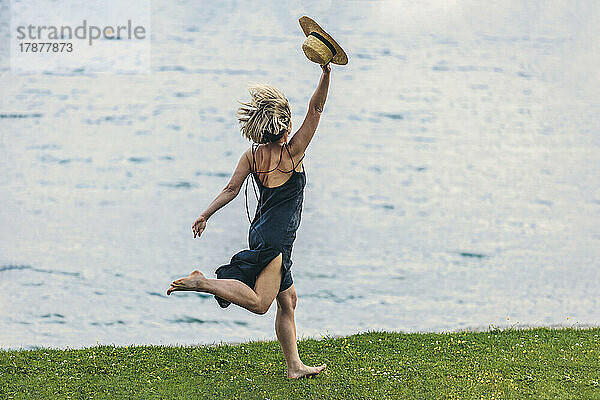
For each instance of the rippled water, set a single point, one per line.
(453, 181)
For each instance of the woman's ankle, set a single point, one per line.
(295, 365)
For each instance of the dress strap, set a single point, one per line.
(287, 147)
(254, 160)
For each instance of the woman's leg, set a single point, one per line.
(285, 328)
(258, 300)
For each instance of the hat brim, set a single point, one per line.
(308, 26)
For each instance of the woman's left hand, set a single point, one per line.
(198, 226)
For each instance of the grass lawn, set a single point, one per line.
(538, 363)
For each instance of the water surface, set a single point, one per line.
(452, 183)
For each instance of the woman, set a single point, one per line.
(255, 277)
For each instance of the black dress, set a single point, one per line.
(272, 231)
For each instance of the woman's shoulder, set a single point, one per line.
(247, 154)
(255, 155)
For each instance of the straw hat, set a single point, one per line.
(319, 46)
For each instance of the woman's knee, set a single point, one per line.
(287, 299)
(262, 309)
(259, 306)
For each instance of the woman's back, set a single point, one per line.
(277, 160)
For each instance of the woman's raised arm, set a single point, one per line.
(228, 193)
(305, 133)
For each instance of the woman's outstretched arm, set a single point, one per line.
(228, 193)
(305, 133)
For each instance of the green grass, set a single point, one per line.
(539, 363)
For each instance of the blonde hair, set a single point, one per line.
(268, 114)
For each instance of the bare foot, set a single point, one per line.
(305, 370)
(193, 282)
